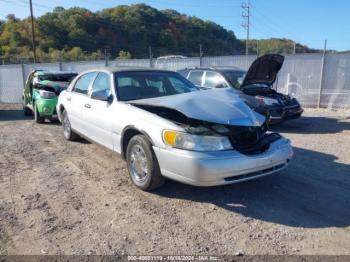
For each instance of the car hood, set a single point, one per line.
(222, 106)
(263, 70)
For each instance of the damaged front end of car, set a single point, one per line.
(248, 140)
(201, 114)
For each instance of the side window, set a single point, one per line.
(214, 80)
(83, 83)
(196, 77)
(102, 83)
(178, 85)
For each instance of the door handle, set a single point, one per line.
(87, 105)
(69, 99)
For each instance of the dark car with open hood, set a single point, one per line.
(255, 86)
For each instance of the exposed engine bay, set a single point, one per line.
(57, 89)
(267, 91)
(248, 140)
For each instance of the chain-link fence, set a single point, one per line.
(317, 80)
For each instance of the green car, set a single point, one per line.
(41, 92)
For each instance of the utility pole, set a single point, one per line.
(150, 57)
(322, 73)
(33, 30)
(246, 23)
(200, 55)
(294, 47)
(106, 57)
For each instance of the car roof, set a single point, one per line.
(125, 69)
(216, 69)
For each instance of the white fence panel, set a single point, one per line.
(176, 63)
(242, 62)
(11, 84)
(82, 66)
(44, 66)
(130, 63)
(301, 75)
(336, 81)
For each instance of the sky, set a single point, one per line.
(308, 22)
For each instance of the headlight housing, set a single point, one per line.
(267, 101)
(46, 94)
(191, 142)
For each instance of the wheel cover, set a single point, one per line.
(138, 164)
(66, 125)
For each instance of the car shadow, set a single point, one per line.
(17, 114)
(13, 115)
(313, 125)
(313, 192)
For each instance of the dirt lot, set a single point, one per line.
(59, 197)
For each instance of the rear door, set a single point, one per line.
(77, 99)
(98, 114)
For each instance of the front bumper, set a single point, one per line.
(47, 107)
(224, 167)
(279, 114)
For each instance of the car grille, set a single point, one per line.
(251, 140)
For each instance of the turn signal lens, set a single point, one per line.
(170, 137)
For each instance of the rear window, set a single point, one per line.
(141, 85)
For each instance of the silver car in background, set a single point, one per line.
(164, 127)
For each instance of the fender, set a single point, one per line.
(124, 139)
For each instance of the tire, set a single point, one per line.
(38, 119)
(142, 164)
(67, 129)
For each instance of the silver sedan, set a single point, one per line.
(165, 128)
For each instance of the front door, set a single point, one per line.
(77, 99)
(98, 114)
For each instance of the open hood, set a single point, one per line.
(221, 106)
(264, 70)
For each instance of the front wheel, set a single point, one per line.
(38, 119)
(142, 164)
(67, 129)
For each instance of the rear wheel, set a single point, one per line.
(38, 119)
(26, 110)
(67, 129)
(142, 164)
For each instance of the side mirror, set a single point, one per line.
(101, 95)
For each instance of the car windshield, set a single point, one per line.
(141, 85)
(57, 77)
(235, 77)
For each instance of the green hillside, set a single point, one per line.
(126, 31)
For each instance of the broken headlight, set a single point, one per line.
(46, 94)
(196, 142)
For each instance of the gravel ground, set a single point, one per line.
(59, 197)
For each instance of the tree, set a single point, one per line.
(124, 55)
